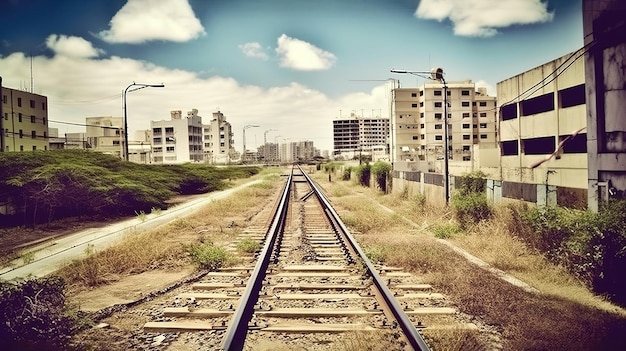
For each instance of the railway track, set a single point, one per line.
(310, 286)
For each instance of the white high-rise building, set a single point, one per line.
(218, 140)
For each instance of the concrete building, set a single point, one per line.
(605, 45)
(23, 121)
(178, 140)
(299, 151)
(543, 144)
(105, 134)
(356, 136)
(218, 140)
(418, 125)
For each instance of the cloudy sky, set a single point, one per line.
(289, 66)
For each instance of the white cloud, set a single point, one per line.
(86, 86)
(72, 46)
(253, 50)
(300, 55)
(145, 20)
(482, 18)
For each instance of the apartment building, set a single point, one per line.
(543, 140)
(105, 134)
(358, 135)
(23, 120)
(418, 126)
(218, 140)
(179, 140)
(297, 151)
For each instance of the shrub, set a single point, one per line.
(470, 208)
(347, 173)
(381, 171)
(34, 315)
(208, 255)
(363, 173)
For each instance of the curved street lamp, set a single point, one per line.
(243, 156)
(437, 74)
(139, 86)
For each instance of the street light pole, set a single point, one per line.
(140, 86)
(437, 74)
(243, 156)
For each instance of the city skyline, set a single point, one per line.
(287, 66)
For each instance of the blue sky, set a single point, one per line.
(286, 65)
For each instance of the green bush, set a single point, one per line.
(208, 256)
(363, 174)
(470, 208)
(381, 170)
(347, 173)
(34, 315)
(591, 245)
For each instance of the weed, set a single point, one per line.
(156, 211)
(28, 257)
(141, 215)
(446, 230)
(248, 245)
(208, 255)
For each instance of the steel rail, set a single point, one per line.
(414, 338)
(238, 327)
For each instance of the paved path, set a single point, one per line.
(50, 256)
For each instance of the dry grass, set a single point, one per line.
(564, 316)
(165, 246)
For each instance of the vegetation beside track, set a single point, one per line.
(565, 312)
(41, 187)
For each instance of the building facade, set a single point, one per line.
(218, 140)
(357, 135)
(23, 121)
(418, 125)
(543, 140)
(605, 40)
(178, 140)
(105, 134)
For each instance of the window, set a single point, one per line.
(466, 125)
(34, 148)
(19, 102)
(483, 125)
(415, 137)
(508, 112)
(438, 104)
(465, 104)
(157, 141)
(21, 134)
(169, 149)
(483, 136)
(421, 103)
(422, 125)
(4, 99)
(467, 158)
(19, 117)
(466, 137)
(438, 115)
(33, 119)
(414, 105)
(482, 103)
(466, 114)
(169, 129)
(32, 103)
(483, 114)
(572, 96)
(539, 146)
(575, 145)
(413, 94)
(422, 136)
(438, 137)
(465, 92)
(421, 92)
(537, 105)
(116, 142)
(438, 126)
(509, 148)
(44, 120)
(43, 106)
(437, 92)
(466, 148)
(33, 135)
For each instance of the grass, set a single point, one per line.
(198, 238)
(560, 315)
